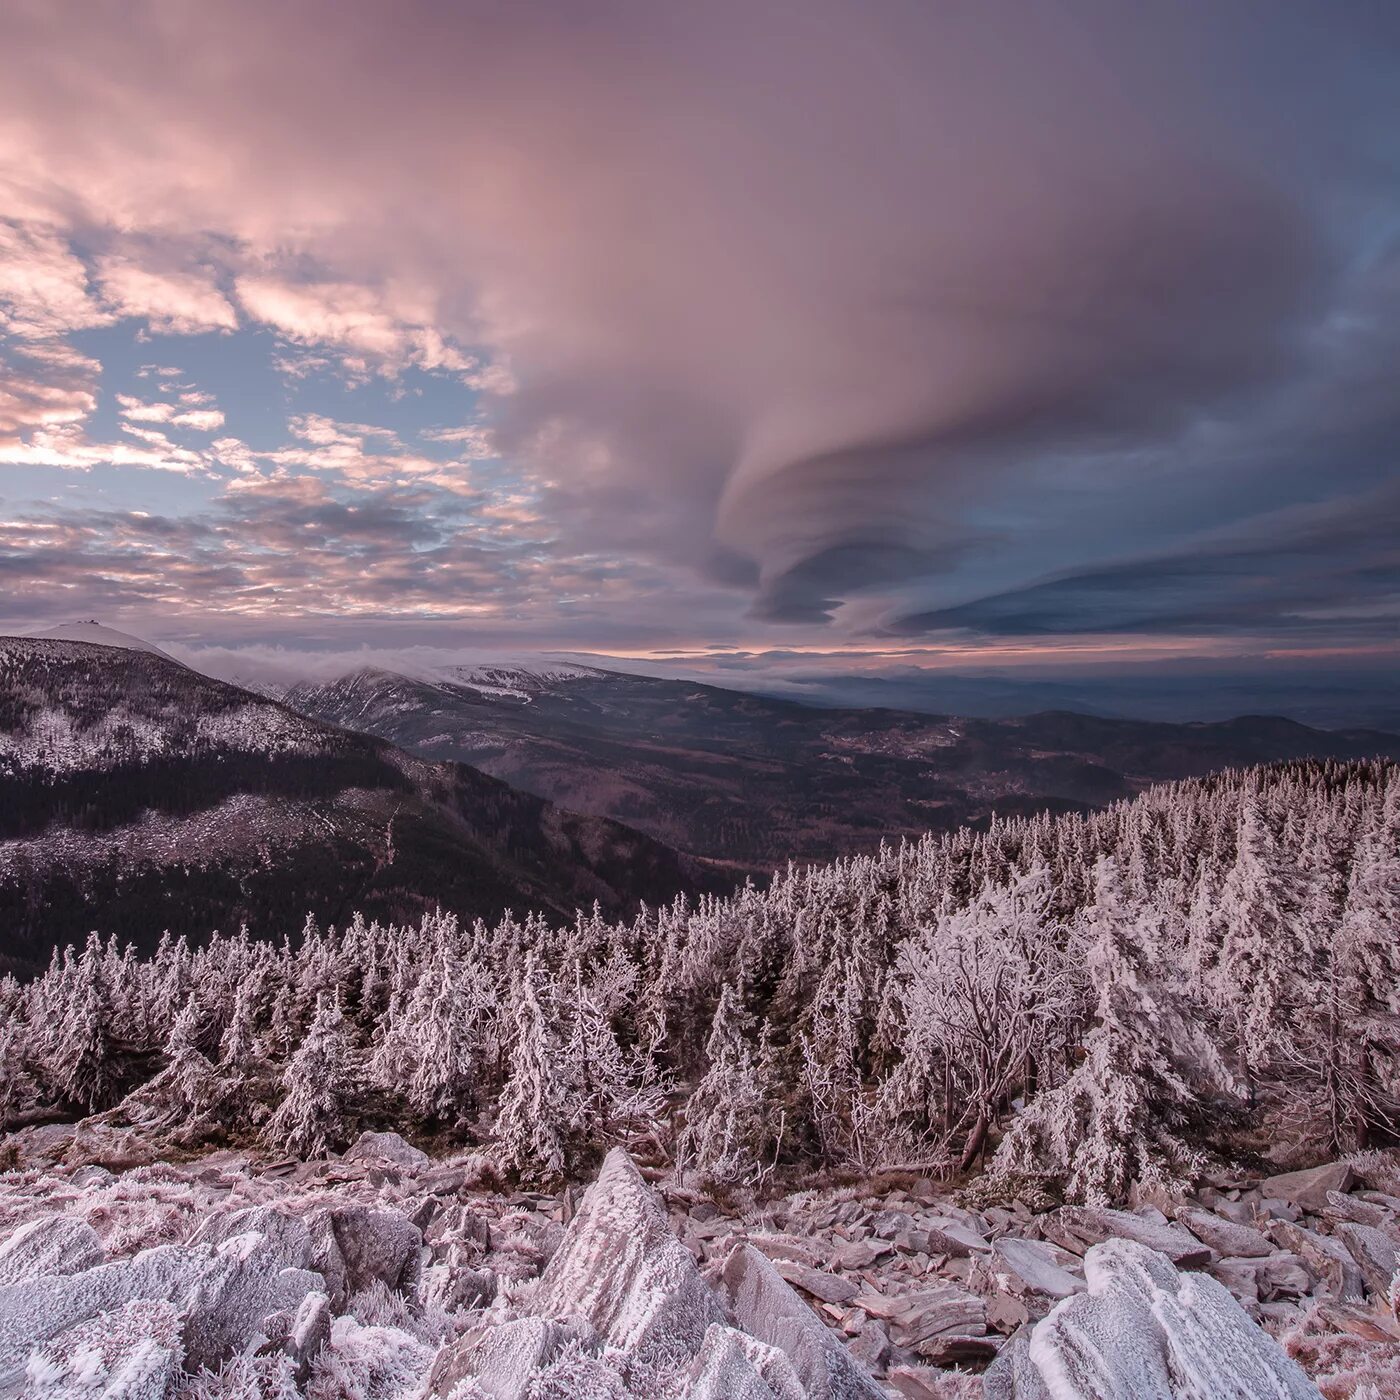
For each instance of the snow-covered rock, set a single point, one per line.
(355, 1246)
(502, 1359)
(765, 1307)
(387, 1149)
(621, 1267)
(733, 1366)
(53, 1244)
(133, 1353)
(1143, 1331)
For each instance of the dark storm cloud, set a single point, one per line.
(1332, 569)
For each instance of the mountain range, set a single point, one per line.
(755, 781)
(138, 795)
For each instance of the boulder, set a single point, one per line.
(386, 1149)
(621, 1267)
(53, 1244)
(765, 1307)
(285, 1235)
(1308, 1189)
(1096, 1224)
(225, 1306)
(355, 1246)
(1025, 1266)
(1325, 1255)
(1283, 1276)
(1143, 1331)
(829, 1288)
(223, 1294)
(501, 1359)
(954, 1238)
(1375, 1254)
(133, 1353)
(733, 1366)
(1225, 1236)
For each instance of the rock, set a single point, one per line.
(1240, 1276)
(732, 1366)
(1343, 1207)
(871, 1345)
(1095, 1224)
(223, 1294)
(957, 1350)
(1028, 1267)
(622, 1268)
(1308, 1189)
(386, 1149)
(453, 1288)
(790, 1247)
(1282, 1276)
(1327, 1257)
(1013, 1375)
(830, 1288)
(54, 1244)
(858, 1254)
(225, 1306)
(501, 1359)
(355, 1246)
(133, 1353)
(310, 1331)
(1225, 1236)
(765, 1307)
(1143, 1331)
(1375, 1254)
(285, 1234)
(954, 1238)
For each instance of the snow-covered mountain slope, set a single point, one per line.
(757, 781)
(138, 795)
(97, 634)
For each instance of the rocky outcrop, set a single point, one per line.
(373, 1275)
(763, 1305)
(622, 1267)
(54, 1244)
(1144, 1331)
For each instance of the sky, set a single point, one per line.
(757, 339)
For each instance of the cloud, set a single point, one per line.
(200, 419)
(171, 303)
(852, 311)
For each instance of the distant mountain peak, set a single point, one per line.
(92, 631)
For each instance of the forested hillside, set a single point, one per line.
(137, 795)
(756, 781)
(1091, 1002)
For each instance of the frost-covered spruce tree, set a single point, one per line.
(1259, 903)
(725, 1131)
(445, 1016)
(533, 1112)
(245, 1074)
(1122, 1115)
(18, 1090)
(80, 1060)
(321, 1082)
(189, 1082)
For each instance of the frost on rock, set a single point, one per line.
(621, 1267)
(500, 1361)
(1143, 1331)
(133, 1353)
(53, 1244)
(733, 1366)
(766, 1307)
(355, 1247)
